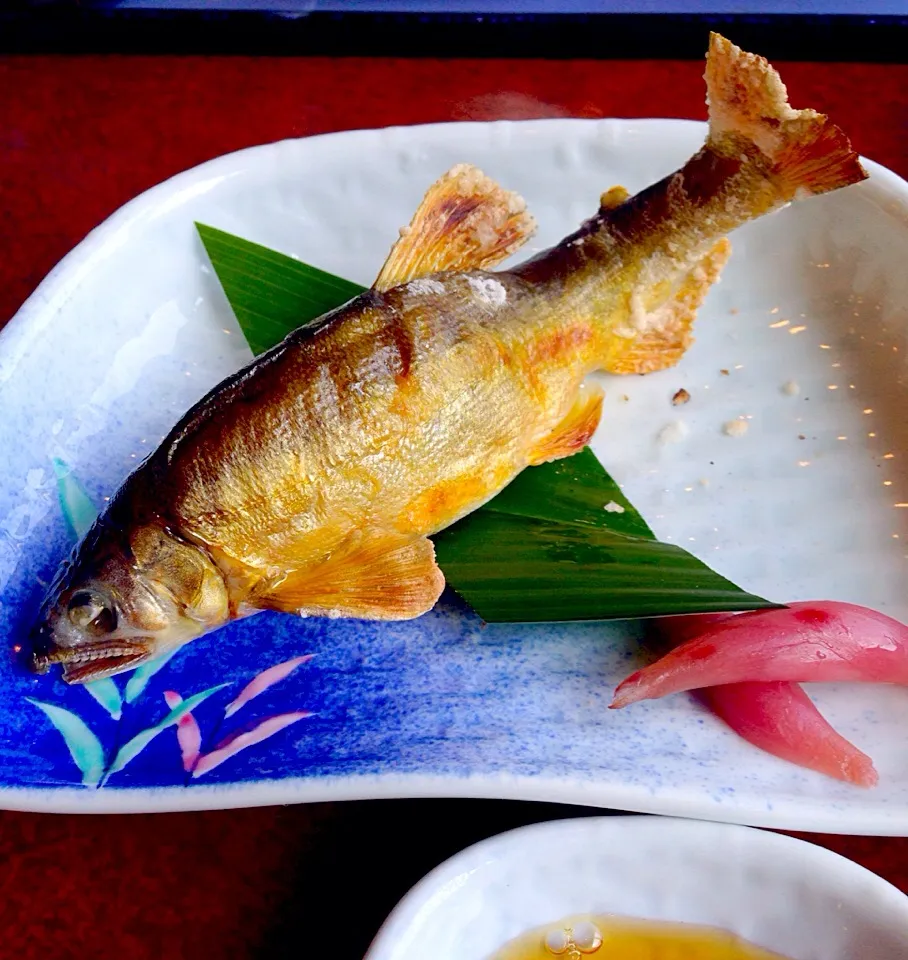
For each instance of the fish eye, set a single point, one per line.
(90, 611)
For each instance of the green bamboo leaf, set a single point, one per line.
(78, 509)
(132, 748)
(571, 559)
(271, 293)
(576, 548)
(574, 490)
(84, 747)
(141, 675)
(575, 571)
(106, 692)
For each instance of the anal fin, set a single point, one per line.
(466, 221)
(573, 433)
(375, 575)
(662, 344)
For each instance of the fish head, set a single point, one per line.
(123, 598)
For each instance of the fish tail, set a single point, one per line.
(807, 153)
(759, 155)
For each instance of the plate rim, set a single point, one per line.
(798, 814)
(51, 295)
(595, 830)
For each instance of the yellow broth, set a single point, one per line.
(588, 937)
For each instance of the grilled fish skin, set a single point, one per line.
(310, 481)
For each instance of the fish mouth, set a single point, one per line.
(84, 664)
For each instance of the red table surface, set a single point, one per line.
(79, 136)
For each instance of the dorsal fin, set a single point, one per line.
(466, 221)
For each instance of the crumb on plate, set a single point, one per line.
(673, 432)
(681, 396)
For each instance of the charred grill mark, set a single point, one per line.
(557, 345)
(437, 504)
(399, 334)
(505, 356)
(708, 174)
(457, 209)
(352, 370)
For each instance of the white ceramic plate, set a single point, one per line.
(131, 328)
(782, 894)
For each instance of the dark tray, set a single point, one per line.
(839, 30)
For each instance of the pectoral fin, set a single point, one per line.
(574, 431)
(671, 332)
(466, 221)
(374, 576)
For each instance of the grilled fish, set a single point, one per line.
(310, 481)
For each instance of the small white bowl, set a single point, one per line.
(782, 894)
